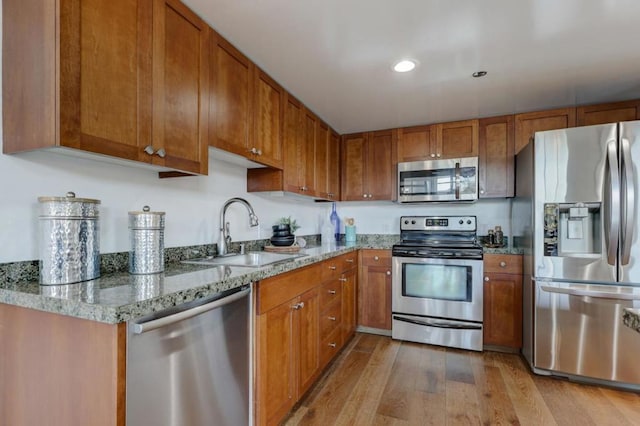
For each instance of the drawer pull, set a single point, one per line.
(486, 279)
(376, 258)
(332, 318)
(333, 345)
(332, 292)
(333, 268)
(342, 279)
(349, 260)
(388, 272)
(298, 306)
(503, 264)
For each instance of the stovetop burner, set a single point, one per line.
(439, 237)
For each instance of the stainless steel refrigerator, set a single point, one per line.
(576, 215)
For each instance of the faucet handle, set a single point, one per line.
(241, 248)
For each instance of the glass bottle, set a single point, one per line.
(335, 221)
(499, 237)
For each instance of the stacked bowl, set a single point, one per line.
(282, 236)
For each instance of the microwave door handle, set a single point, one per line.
(628, 201)
(612, 197)
(457, 180)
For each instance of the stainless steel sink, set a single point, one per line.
(252, 259)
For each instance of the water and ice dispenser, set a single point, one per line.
(572, 229)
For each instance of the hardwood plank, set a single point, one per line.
(380, 420)
(402, 381)
(599, 408)
(361, 405)
(564, 407)
(627, 403)
(526, 399)
(458, 368)
(432, 370)
(427, 409)
(458, 413)
(366, 343)
(494, 404)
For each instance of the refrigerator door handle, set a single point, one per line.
(612, 226)
(590, 293)
(628, 201)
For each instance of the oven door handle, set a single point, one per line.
(439, 324)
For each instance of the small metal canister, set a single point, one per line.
(146, 234)
(69, 239)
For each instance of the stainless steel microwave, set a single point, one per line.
(454, 179)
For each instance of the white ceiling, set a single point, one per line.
(336, 55)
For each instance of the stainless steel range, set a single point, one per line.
(437, 282)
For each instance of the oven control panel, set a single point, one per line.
(438, 223)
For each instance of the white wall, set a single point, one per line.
(192, 204)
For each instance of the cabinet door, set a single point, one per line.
(294, 154)
(309, 128)
(353, 167)
(457, 139)
(268, 105)
(414, 144)
(333, 168)
(348, 304)
(496, 157)
(502, 325)
(322, 160)
(380, 177)
(275, 360)
(529, 123)
(229, 107)
(308, 335)
(180, 88)
(608, 113)
(374, 297)
(105, 103)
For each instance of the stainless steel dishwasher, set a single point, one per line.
(191, 365)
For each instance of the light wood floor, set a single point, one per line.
(379, 381)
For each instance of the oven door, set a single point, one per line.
(438, 180)
(441, 288)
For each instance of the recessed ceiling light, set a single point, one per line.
(479, 74)
(404, 66)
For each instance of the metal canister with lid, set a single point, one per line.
(69, 239)
(146, 234)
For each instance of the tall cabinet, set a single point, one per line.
(368, 166)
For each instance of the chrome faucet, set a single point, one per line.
(225, 238)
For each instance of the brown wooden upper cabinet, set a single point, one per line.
(367, 166)
(438, 141)
(139, 96)
(529, 123)
(322, 160)
(608, 113)
(246, 107)
(333, 168)
(496, 157)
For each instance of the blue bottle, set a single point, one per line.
(335, 221)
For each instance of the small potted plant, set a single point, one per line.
(293, 226)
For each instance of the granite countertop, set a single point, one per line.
(631, 318)
(120, 296)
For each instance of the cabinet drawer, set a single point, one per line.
(348, 261)
(329, 320)
(330, 292)
(331, 269)
(330, 346)
(503, 263)
(276, 290)
(376, 258)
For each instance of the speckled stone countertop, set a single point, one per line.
(118, 297)
(631, 318)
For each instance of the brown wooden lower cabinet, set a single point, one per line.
(304, 318)
(374, 289)
(59, 370)
(502, 301)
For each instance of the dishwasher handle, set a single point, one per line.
(139, 328)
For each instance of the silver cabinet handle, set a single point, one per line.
(333, 345)
(349, 260)
(486, 279)
(259, 152)
(343, 279)
(503, 264)
(376, 258)
(161, 153)
(298, 306)
(333, 268)
(332, 292)
(139, 328)
(332, 318)
(149, 149)
(438, 155)
(433, 156)
(388, 272)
